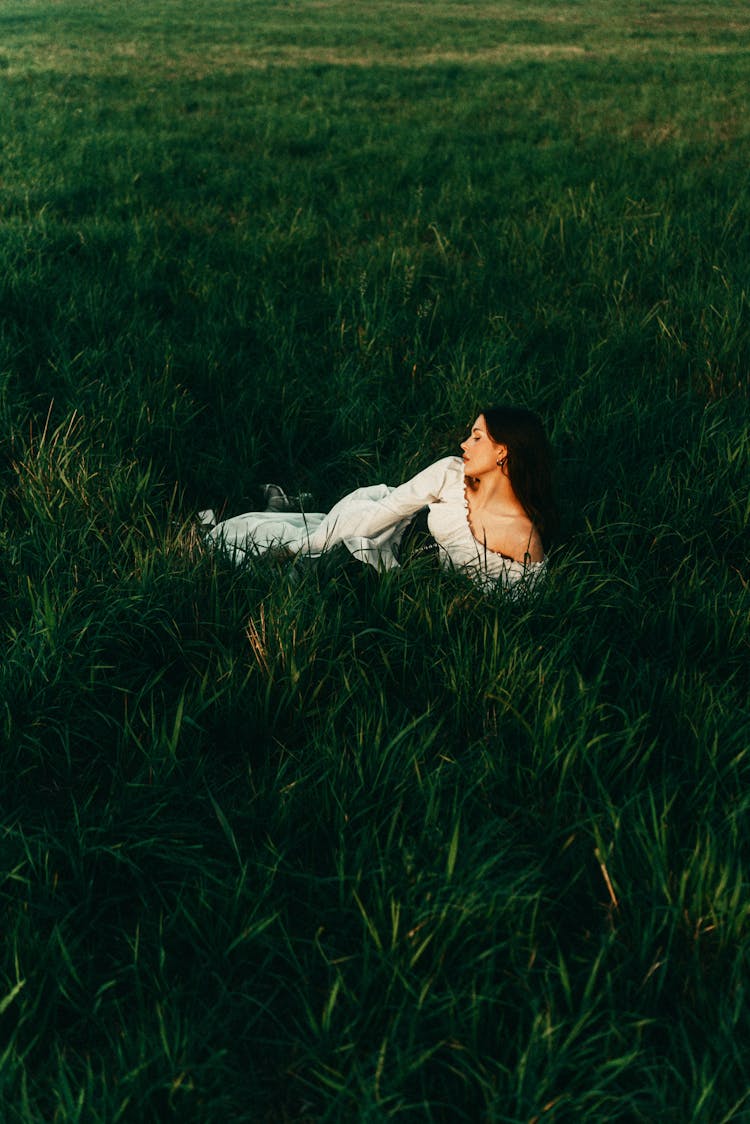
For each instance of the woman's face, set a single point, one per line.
(481, 453)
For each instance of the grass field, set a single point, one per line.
(306, 843)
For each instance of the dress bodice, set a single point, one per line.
(449, 525)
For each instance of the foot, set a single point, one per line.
(277, 500)
(275, 497)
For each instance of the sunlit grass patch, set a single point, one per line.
(188, 41)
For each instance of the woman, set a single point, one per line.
(489, 511)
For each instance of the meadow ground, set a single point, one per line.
(305, 843)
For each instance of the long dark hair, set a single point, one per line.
(529, 463)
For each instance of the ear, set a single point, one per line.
(501, 454)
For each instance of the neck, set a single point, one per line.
(495, 490)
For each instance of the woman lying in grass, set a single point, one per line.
(488, 512)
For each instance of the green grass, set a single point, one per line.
(304, 842)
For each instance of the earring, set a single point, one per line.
(501, 462)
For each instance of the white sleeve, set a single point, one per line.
(369, 513)
(426, 487)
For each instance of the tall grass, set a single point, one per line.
(304, 842)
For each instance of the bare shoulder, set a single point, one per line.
(535, 547)
(523, 540)
(513, 536)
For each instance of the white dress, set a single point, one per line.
(370, 521)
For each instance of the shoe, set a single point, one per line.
(276, 499)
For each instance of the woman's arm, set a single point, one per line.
(424, 488)
(369, 513)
